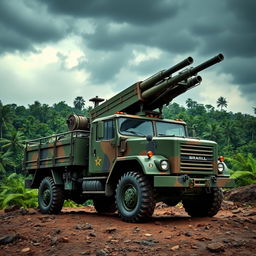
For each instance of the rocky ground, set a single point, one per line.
(81, 231)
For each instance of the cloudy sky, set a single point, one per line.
(55, 50)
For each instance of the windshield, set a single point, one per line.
(170, 129)
(137, 127)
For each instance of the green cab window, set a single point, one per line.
(170, 129)
(135, 127)
(105, 130)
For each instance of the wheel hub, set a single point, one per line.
(46, 197)
(130, 197)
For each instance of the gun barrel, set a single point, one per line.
(193, 81)
(159, 88)
(172, 92)
(208, 63)
(151, 81)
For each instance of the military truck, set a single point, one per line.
(126, 156)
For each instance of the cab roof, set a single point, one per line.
(123, 115)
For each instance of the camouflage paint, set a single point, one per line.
(185, 156)
(102, 153)
(187, 182)
(103, 156)
(68, 149)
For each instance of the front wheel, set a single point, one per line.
(134, 197)
(207, 205)
(50, 196)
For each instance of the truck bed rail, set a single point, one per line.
(64, 149)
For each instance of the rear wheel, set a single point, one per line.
(134, 197)
(105, 204)
(50, 196)
(207, 205)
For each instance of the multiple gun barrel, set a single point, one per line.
(161, 88)
(156, 90)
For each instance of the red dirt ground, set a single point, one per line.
(81, 231)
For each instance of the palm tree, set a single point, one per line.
(212, 132)
(222, 102)
(230, 132)
(79, 102)
(209, 107)
(190, 103)
(243, 169)
(5, 116)
(14, 142)
(6, 161)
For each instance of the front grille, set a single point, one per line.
(196, 158)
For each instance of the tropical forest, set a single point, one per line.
(235, 134)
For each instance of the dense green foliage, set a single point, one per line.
(235, 134)
(243, 169)
(13, 192)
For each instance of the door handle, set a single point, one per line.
(94, 152)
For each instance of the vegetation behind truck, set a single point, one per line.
(126, 157)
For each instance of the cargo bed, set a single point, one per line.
(65, 149)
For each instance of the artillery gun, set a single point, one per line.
(126, 157)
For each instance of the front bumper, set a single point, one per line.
(187, 182)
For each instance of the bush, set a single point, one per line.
(243, 169)
(13, 192)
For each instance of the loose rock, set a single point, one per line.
(175, 247)
(215, 247)
(25, 250)
(12, 208)
(101, 253)
(111, 230)
(54, 241)
(188, 234)
(8, 239)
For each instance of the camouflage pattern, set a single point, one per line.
(67, 149)
(89, 161)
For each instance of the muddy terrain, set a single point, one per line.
(81, 231)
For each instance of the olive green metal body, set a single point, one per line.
(90, 163)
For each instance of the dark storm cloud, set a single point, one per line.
(230, 27)
(132, 11)
(103, 66)
(200, 28)
(107, 38)
(23, 24)
(243, 71)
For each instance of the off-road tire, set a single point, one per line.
(207, 205)
(105, 204)
(50, 196)
(135, 200)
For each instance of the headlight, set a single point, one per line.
(221, 167)
(164, 165)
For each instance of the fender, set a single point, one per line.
(145, 164)
(38, 175)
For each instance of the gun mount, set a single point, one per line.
(155, 91)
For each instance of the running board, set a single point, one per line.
(94, 192)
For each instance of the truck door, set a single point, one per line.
(103, 149)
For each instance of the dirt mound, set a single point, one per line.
(246, 194)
